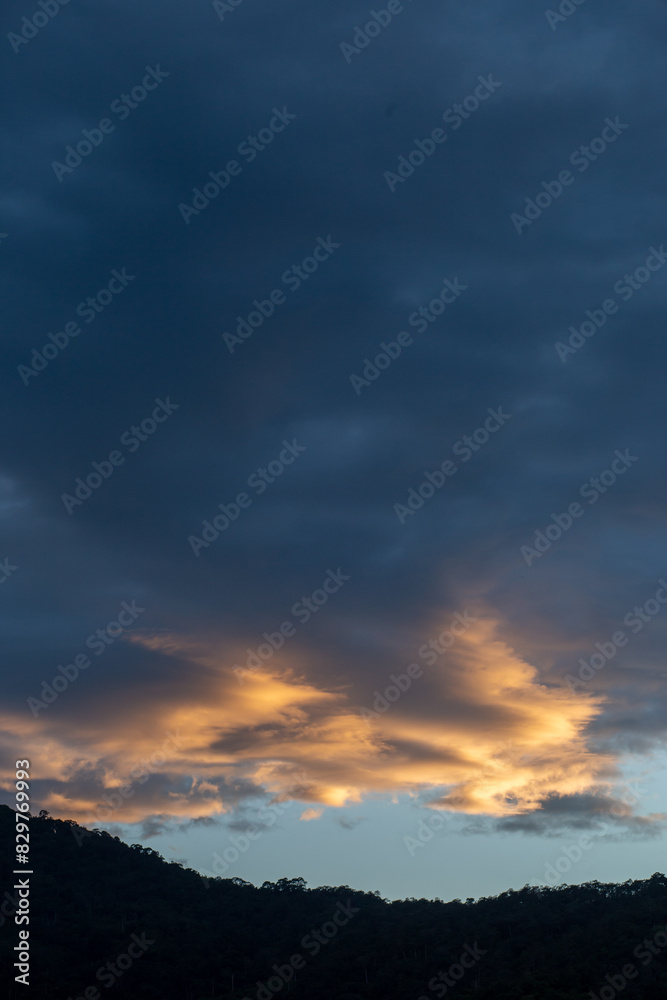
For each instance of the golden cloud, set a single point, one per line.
(477, 729)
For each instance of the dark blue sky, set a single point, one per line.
(334, 416)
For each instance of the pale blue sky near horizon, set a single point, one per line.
(373, 855)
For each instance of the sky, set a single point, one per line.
(332, 487)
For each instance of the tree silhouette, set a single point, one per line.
(227, 939)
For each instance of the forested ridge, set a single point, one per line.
(94, 897)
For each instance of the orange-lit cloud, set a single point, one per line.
(477, 733)
(309, 814)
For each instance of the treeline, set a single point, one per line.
(105, 916)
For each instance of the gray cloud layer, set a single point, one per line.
(323, 176)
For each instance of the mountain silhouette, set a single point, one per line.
(108, 919)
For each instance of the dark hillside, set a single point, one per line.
(94, 899)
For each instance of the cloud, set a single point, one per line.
(348, 823)
(477, 733)
(309, 814)
(595, 811)
(490, 730)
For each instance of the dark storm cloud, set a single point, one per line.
(160, 337)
